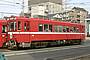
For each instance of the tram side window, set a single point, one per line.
(12, 26)
(67, 29)
(64, 29)
(74, 29)
(26, 26)
(19, 25)
(60, 28)
(15, 26)
(77, 29)
(4, 29)
(50, 28)
(71, 29)
(46, 27)
(56, 28)
(40, 27)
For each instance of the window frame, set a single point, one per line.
(41, 28)
(19, 25)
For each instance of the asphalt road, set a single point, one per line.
(53, 53)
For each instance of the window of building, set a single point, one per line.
(78, 21)
(78, 16)
(40, 27)
(47, 6)
(77, 11)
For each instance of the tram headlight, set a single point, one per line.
(3, 35)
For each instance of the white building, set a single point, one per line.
(25, 6)
(46, 7)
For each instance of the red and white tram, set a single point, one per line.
(33, 32)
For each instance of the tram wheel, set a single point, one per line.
(12, 44)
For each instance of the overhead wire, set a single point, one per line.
(8, 4)
(9, 13)
(13, 4)
(7, 1)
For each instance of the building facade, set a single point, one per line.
(45, 7)
(80, 14)
(76, 15)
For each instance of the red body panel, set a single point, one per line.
(2, 35)
(22, 37)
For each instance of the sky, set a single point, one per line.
(10, 6)
(79, 3)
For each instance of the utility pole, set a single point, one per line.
(22, 7)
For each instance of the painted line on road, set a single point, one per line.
(40, 50)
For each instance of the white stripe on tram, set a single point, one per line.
(42, 33)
